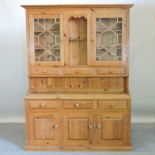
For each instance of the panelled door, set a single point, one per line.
(111, 129)
(46, 40)
(108, 39)
(44, 129)
(78, 129)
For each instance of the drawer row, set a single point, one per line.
(77, 71)
(76, 104)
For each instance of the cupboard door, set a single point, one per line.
(78, 129)
(109, 39)
(44, 129)
(111, 129)
(46, 40)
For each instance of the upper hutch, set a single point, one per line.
(78, 77)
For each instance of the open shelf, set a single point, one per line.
(77, 41)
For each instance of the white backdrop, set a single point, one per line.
(13, 67)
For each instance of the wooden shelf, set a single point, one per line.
(79, 96)
(77, 39)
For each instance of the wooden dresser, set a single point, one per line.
(78, 77)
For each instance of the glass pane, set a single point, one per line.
(108, 39)
(47, 39)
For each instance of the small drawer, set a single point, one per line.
(77, 104)
(53, 71)
(43, 104)
(47, 71)
(111, 70)
(112, 104)
(78, 71)
(36, 70)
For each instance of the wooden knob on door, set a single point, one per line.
(99, 126)
(56, 126)
(90, 126)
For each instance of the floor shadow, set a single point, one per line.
(12, 135)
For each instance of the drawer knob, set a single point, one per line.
(44, 70)
(77, 71)
(56, 126)
(99, 126)
(110, 72)
(112, 105)
(42, 105)
(77, 105)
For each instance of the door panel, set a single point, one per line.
(44, 129)
(78, 129)
(46, 40)
(109, 37)
(112, 129)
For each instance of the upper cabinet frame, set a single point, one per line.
(109, 39)
(46, 45)
(67, 45)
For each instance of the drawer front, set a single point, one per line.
(36, 71)
(46, 71)
(79, 71)
(77, 104)
(44, 104)
(112, 104)
(111, 70)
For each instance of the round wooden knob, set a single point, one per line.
(44, 70)
(112, 105)
(90, 126)
(99, 126)
(56, 126)
(42, 105)
(77, 71)
(77, 105)
(110, 72)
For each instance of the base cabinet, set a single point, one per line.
(78, 125)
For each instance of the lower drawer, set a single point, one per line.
(112, 104)
(69, 104)
(48, 104)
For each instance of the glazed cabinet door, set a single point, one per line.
(46, 40)
(108, 39)
(78, 129)
(44, 129)
(111, 129)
